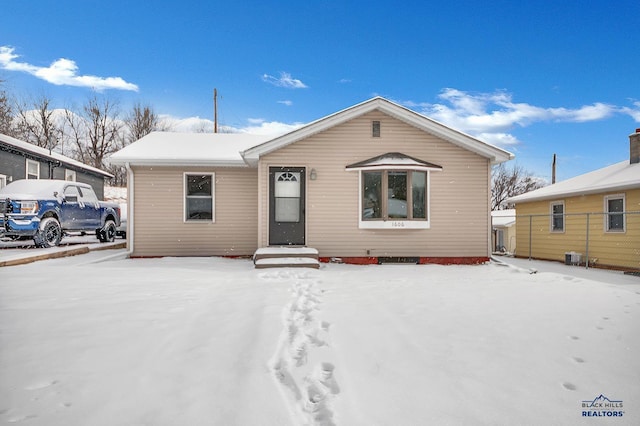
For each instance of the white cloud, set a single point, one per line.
(285, 80)
(287, 102)
(490, 116)
(271, 128)
(633, 112)
(62, 72)
(256, 126)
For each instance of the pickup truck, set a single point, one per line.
(46, 210)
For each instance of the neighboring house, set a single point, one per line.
(503, 224)
(372, 182)
(22, 160)
(595, 215)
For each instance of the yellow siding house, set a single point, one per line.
(591, 219)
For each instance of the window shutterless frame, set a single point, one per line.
(32, 169)
(391, 199)
(614, 219)
(556, 217)
(199, 197)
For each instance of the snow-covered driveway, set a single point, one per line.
(208, 341)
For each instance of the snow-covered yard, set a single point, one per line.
(209, 341)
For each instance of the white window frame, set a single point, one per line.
(3, 181)
(551, 217)
(395, 223)
(68, 173)
(26, 172)
(213, 197)
(606, 210)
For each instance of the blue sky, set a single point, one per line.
(536, 77)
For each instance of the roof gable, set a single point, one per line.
(494, 154)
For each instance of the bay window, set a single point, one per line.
(394, 192)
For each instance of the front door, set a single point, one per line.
(286, 206)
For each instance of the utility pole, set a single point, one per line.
(215, 110)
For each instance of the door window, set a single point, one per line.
(287, 197)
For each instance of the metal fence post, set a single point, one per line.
(587, 248)
(530, 225)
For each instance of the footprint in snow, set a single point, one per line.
(40, 385)
(574, 338)
(578, 359)
(569, 386)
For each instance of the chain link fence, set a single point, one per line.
(609, 240)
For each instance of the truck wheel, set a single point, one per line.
(49, 233)
(108, 233)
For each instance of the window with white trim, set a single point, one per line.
(70, 175)
(557, 216)
(394, 199)
(199, 194)
(614, 206)
(33, 169)
(394, 194)
(394, 191)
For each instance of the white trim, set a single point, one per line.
(606, 199)
(396, 167)
(3, 181)
(26, 171)
(395, 223)
(213, 198)
(130, 207)
(551, 217)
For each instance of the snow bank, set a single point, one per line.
(213, 341)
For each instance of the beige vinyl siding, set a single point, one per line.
(160, 229)
(620, 249)
(458, 199)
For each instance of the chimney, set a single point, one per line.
(634, 147)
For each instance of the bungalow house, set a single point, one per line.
(591, 219)
(373, 182)
(22, 160)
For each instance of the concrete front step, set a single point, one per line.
(287, 262)
(282, 257)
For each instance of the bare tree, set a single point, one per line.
(141, 121)
(94, 131)
(508, 182)
(37, 124)
(6, 114)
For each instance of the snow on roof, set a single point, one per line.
(505, 218)
(193, 149)
(616, 177)
(394, 159)
(45, 153)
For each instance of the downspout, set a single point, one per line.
(490, 227)
(130, 213)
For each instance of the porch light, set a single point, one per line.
(313, 175)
